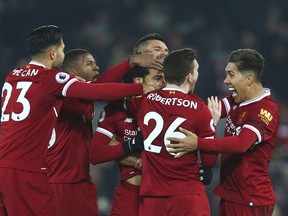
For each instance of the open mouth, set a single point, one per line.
(234, 92)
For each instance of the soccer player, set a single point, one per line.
(68, 157)
(32, 97)
(116, 121)
(249, 139)
(169, 185)
(151, 43)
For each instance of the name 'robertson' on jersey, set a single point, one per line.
(172, 101)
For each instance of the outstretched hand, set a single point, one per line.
(183, 145)
(214, 106)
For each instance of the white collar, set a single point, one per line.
(173, 89)
(37, 63)
(266, 93)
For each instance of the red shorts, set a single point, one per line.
(230, 208)
(126, 200)
(26, 193)
(180, 205)
(76, 199)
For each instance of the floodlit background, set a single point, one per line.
(110, 28)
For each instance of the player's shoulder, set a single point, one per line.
(266, 103)
(197, 98)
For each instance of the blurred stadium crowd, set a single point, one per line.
(110, 28)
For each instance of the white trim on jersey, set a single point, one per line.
(67, 85)
(55, 111)
(265, 94)
(104, 131)
(227, 105)
(255, 130)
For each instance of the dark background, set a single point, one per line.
(110, 28)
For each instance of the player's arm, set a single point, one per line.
(259, 127)
(129, 160)
(79, 107)
(100, 151)
(117, 73)
(132, 161)
(101, 91)
(234, 144)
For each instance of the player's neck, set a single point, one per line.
(46, 62)
(183, 87)
(255, 91)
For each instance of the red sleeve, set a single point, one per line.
(103, 91)
(79, 107)
(116, 73)
(101, 152)
(233, 144)
(208, 159)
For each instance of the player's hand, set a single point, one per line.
(146, 60)
(113, 141)
(205, 174)
(214, 106)
(138, 164)
(134, 145)
(183, 145)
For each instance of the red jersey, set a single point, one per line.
(30, 107)
(68, 157)
(115, 120)
(244, 176)
(160, 113)
(31, 101)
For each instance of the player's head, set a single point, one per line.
(47, 42)
(243, 71)
(181, 66)
(151, 77)
(151, 43)
(80, 62)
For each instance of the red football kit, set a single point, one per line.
(250, 133)
(159, 114)
(32, 97)
(68, 157)
(115, 120)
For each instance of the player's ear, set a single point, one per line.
(52, 53)
(249, 79)
(189, 77)
(138, 79)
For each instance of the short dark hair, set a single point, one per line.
(137, 71)
(71, 57)
(178, 64)
(248, 60)
(143, 41)
(43, 37)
